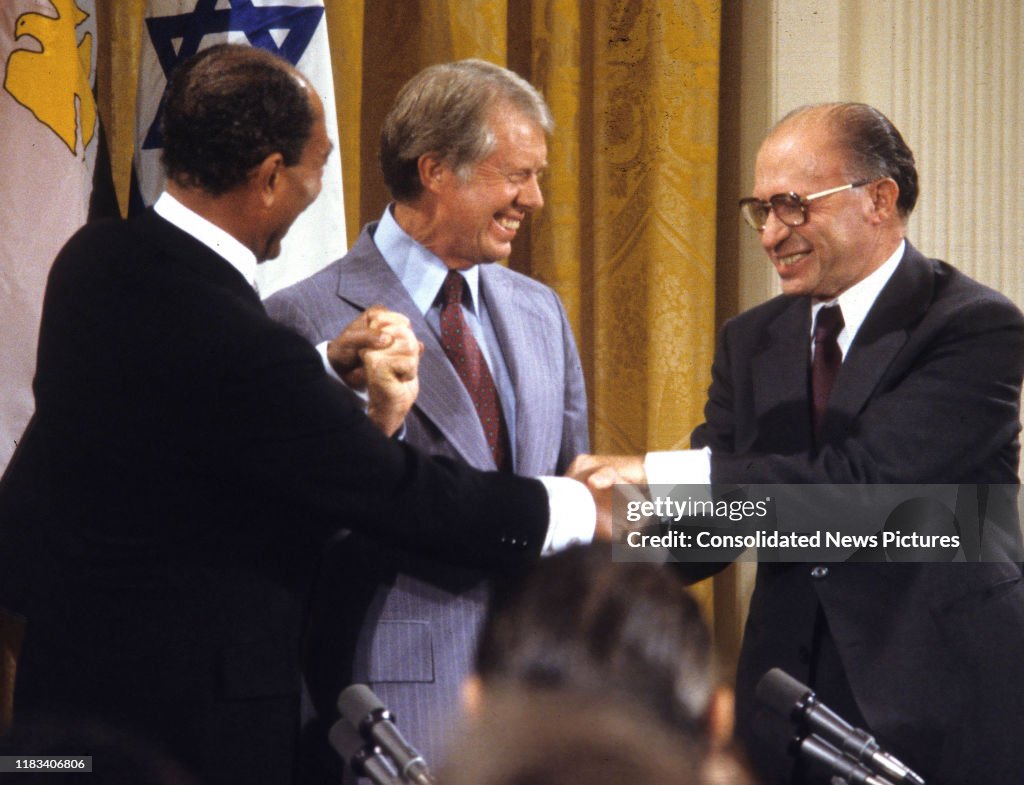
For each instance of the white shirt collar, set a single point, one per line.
(210, 235)
(857, 301)
(421, 271)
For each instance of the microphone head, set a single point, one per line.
(346, 741)
(358, 703)
(781, 692)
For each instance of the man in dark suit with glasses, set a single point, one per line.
(875, 365)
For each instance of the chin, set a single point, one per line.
(793, 287)
(271, 252)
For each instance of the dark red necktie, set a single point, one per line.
(827, 359)
(464, 353)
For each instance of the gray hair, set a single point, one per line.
(445, 110)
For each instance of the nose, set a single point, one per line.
(530, 196)
(774, 231)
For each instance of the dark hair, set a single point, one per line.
(225, 110)
(874, 146)
(445, 110)
(557, 738)
(585, 622)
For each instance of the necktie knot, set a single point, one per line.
(828, 324)
(452, 287)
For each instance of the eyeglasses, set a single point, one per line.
(789, 208)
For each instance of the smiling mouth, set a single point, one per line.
(511, 224)
(790, 259)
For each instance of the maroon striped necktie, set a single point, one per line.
(464, 353)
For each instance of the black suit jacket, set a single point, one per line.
(928, 393)
(187, 461)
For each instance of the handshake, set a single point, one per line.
(601, 473)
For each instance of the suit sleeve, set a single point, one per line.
(302, 439)
(287, 309)
(575, 426)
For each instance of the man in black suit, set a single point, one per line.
(189, 457)
(927, 391)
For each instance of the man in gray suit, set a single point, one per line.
(501, 385)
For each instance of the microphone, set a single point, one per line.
(364, 760)
(784, 694)
(848, 771)
(365, 712)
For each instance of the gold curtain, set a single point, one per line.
(627, 235)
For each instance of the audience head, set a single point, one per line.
(566, 738)
(626, 630)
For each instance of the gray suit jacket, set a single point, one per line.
(404, 625)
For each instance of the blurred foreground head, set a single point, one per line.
(554, 737)
(627, 631)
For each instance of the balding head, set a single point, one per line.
(870, 144)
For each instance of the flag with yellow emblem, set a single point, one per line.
(48, 148)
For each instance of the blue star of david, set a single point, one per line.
(255, 22)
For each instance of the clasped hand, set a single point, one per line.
(379, 353)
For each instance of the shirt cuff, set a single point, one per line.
(678, 467)
(321, 348)
(573, 514)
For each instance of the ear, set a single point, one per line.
(266, 178)
(472, 695)
(884, 195)
(721, 716)
(432, 170)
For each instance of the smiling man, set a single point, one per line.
(501, 386)
(875, 365)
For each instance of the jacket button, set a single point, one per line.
(819, 572)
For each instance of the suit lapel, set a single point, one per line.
(365, 279)
(885, 331)
(529, 362)
(780, 371)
